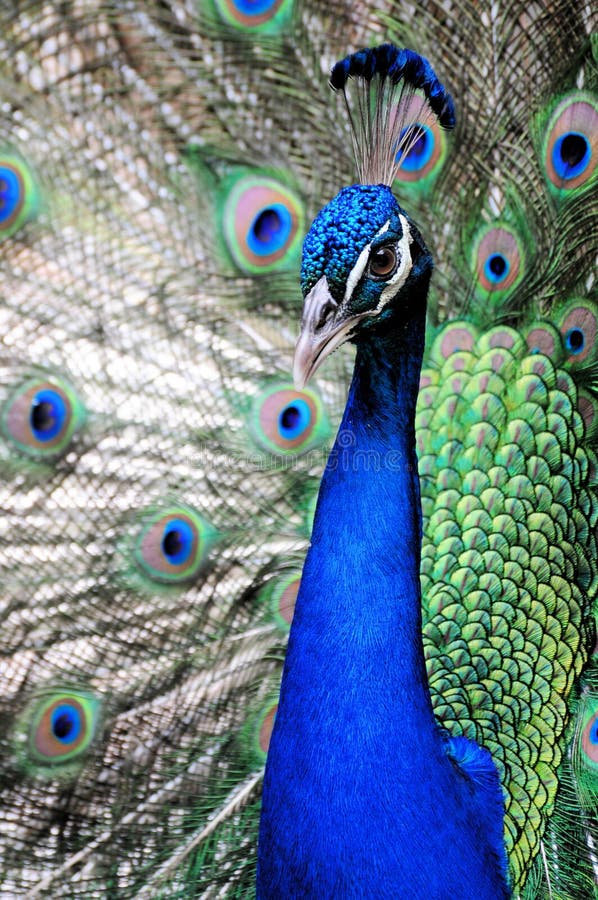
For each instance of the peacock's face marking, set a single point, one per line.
(356, 258)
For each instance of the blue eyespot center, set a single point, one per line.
(177, 541)
(66, 724)
(575, 340)
(270, 230)
(420, 142)
(496, 268)
(571, 154)
(48, 415)
(267, 225)
(11, 192)
(594, 732)
(254, 7)
(294, 419)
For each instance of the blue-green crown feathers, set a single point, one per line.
(341, 230)
(384, 122)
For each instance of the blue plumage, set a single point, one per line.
(340, 231)
(363, 796)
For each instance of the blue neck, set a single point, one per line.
(360, 796)
(368, 522)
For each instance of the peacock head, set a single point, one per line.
(365, 267)
(362, 258)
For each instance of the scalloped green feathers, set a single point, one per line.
(159, 470)
(509, 569)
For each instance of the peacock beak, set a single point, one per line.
(323, 329)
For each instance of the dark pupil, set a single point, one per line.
(576, 339)
(419, 143)
(573, 149)
(383, 261)
(63, 725)
(497, 265)
(42, 416)
(266, 225)
(289, 417)
(172, 543)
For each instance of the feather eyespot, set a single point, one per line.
(578, 325)
(41, 417)
(422, 146)
(543, 337)
(420, 143)
(498, 260)
(173, 545)
(589, 739)
(285, 421)
(575, 341)
(266, 726)
(61, 727)
(267, 16)
(18, 194)
(262, 730)
(262, 224)
(570, 148)
(280, 597)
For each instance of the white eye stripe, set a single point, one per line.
(359, 267)
(403, 269)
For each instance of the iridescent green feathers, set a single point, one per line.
(509, 566)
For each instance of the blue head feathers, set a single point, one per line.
(361, 258)
(341, 230)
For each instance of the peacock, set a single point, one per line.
(160, 165)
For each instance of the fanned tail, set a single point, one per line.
(159, 165)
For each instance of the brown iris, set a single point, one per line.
(383, 261)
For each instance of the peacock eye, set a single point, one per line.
(383, 262)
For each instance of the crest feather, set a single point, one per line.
(385, 123)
